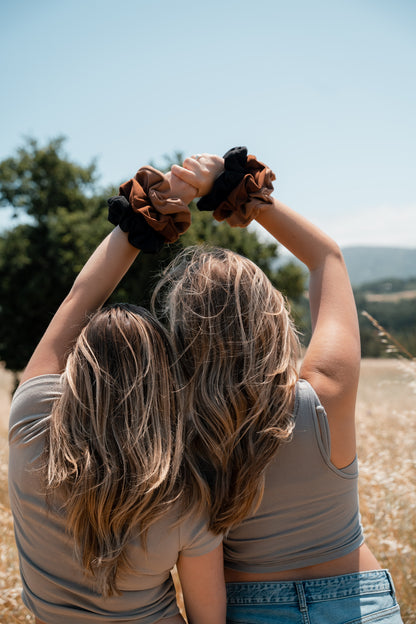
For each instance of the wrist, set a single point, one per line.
(149, 210)
(188, 195)
(241, 190)
(267, 209)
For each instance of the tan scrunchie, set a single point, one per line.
(149, 193)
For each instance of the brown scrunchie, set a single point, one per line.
(245, 201)
(148, 193)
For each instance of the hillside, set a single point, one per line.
(371, 264)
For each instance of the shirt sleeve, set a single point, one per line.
(31, 407)
(195, 538)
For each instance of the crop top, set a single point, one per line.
(55, 588)
(309, 513)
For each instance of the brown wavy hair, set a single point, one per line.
(116, 438)
(238, 349)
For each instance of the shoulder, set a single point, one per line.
(36, 393)
(195, 537)
(31, 404)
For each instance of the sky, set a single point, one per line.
(323, 91)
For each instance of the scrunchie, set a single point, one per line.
(141, 235)
(241, 190)
(145, 209)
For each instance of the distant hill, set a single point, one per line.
(371, 264)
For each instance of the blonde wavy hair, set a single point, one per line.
(116, 438)
(237, 348)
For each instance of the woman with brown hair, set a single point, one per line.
(272, 452)
(96, 444)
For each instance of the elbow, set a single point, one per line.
(329, 250)
(333, 250)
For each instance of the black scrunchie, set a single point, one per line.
(141, 235)
(235, 161)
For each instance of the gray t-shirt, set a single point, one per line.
(55, 588)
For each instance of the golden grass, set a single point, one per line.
(386, 427)
(390, 297)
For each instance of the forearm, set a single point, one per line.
(94, 284)
(103, 271)
(329, 282)
(331, 299)
(301, 237)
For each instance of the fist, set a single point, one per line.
(200, 171)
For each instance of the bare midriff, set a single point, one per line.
(360, 560)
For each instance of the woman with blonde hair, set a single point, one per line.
(96, 444)
(272, 452)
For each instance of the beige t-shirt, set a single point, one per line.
(55, 588)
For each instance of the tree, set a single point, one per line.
(39, 258)
(66, 218)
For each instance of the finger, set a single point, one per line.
(192, 162)
(175, 180)
(207, 163)
(185, 175)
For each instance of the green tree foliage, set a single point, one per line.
(64, 220)
(398, 318)
(392, 303)
(39, 258)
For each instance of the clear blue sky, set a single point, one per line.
(324, 91)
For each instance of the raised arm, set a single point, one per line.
(92, 287)
(331, 363)
(94, 284)
(332, 360)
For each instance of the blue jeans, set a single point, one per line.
(362, 597)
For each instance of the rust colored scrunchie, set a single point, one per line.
(151, 216)
(241, 190)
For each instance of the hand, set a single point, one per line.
(181, 189)
(200, 171)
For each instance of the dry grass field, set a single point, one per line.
(386, 422)
(393, 297)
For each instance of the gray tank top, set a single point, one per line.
(309, 512)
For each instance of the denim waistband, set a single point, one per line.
(328, 588)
